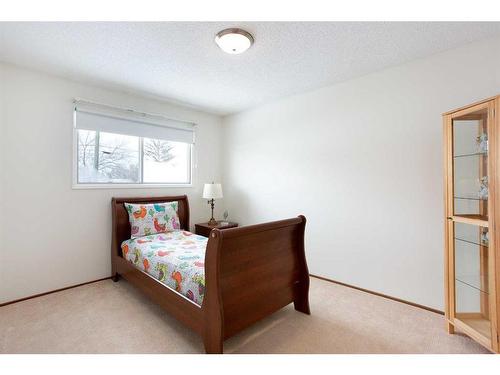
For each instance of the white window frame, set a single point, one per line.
(110, 185)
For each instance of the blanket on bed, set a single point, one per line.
(177, 259)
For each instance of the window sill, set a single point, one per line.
(129, 186)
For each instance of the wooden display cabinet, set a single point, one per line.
(472, 240)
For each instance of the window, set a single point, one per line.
(163, 158)
(122, 150)
(108, 158)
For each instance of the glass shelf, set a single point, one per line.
(472, 281)
(484, 154)
(473, 242)
(472, 198)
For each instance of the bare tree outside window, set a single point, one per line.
(158, 150)
(108, 158)
(118, 163)
(86, 147)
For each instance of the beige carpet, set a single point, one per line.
(107, 317)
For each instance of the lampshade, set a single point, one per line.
(212, 191)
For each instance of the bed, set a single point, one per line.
(248, 272)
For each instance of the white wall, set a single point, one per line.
(363, 161)
(54, 236)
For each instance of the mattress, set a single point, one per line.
(177, 259)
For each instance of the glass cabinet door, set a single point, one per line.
(472, 304)
(470, 165)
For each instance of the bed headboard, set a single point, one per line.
(121, 226)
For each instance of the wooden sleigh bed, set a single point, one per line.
(250, 272)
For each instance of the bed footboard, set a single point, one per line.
(250, 273)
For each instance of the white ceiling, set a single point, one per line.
(180, 61)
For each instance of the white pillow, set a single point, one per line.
(146, 219)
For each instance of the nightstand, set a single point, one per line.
(203, 229)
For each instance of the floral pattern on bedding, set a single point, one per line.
(147, 219)
(177, 259)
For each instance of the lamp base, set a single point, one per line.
(212, 222)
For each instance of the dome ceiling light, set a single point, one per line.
(234, 40)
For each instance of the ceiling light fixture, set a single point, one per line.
(234, 40)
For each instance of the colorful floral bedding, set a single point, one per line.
(177, 259)
(147, 219)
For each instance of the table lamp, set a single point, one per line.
(211, 192)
